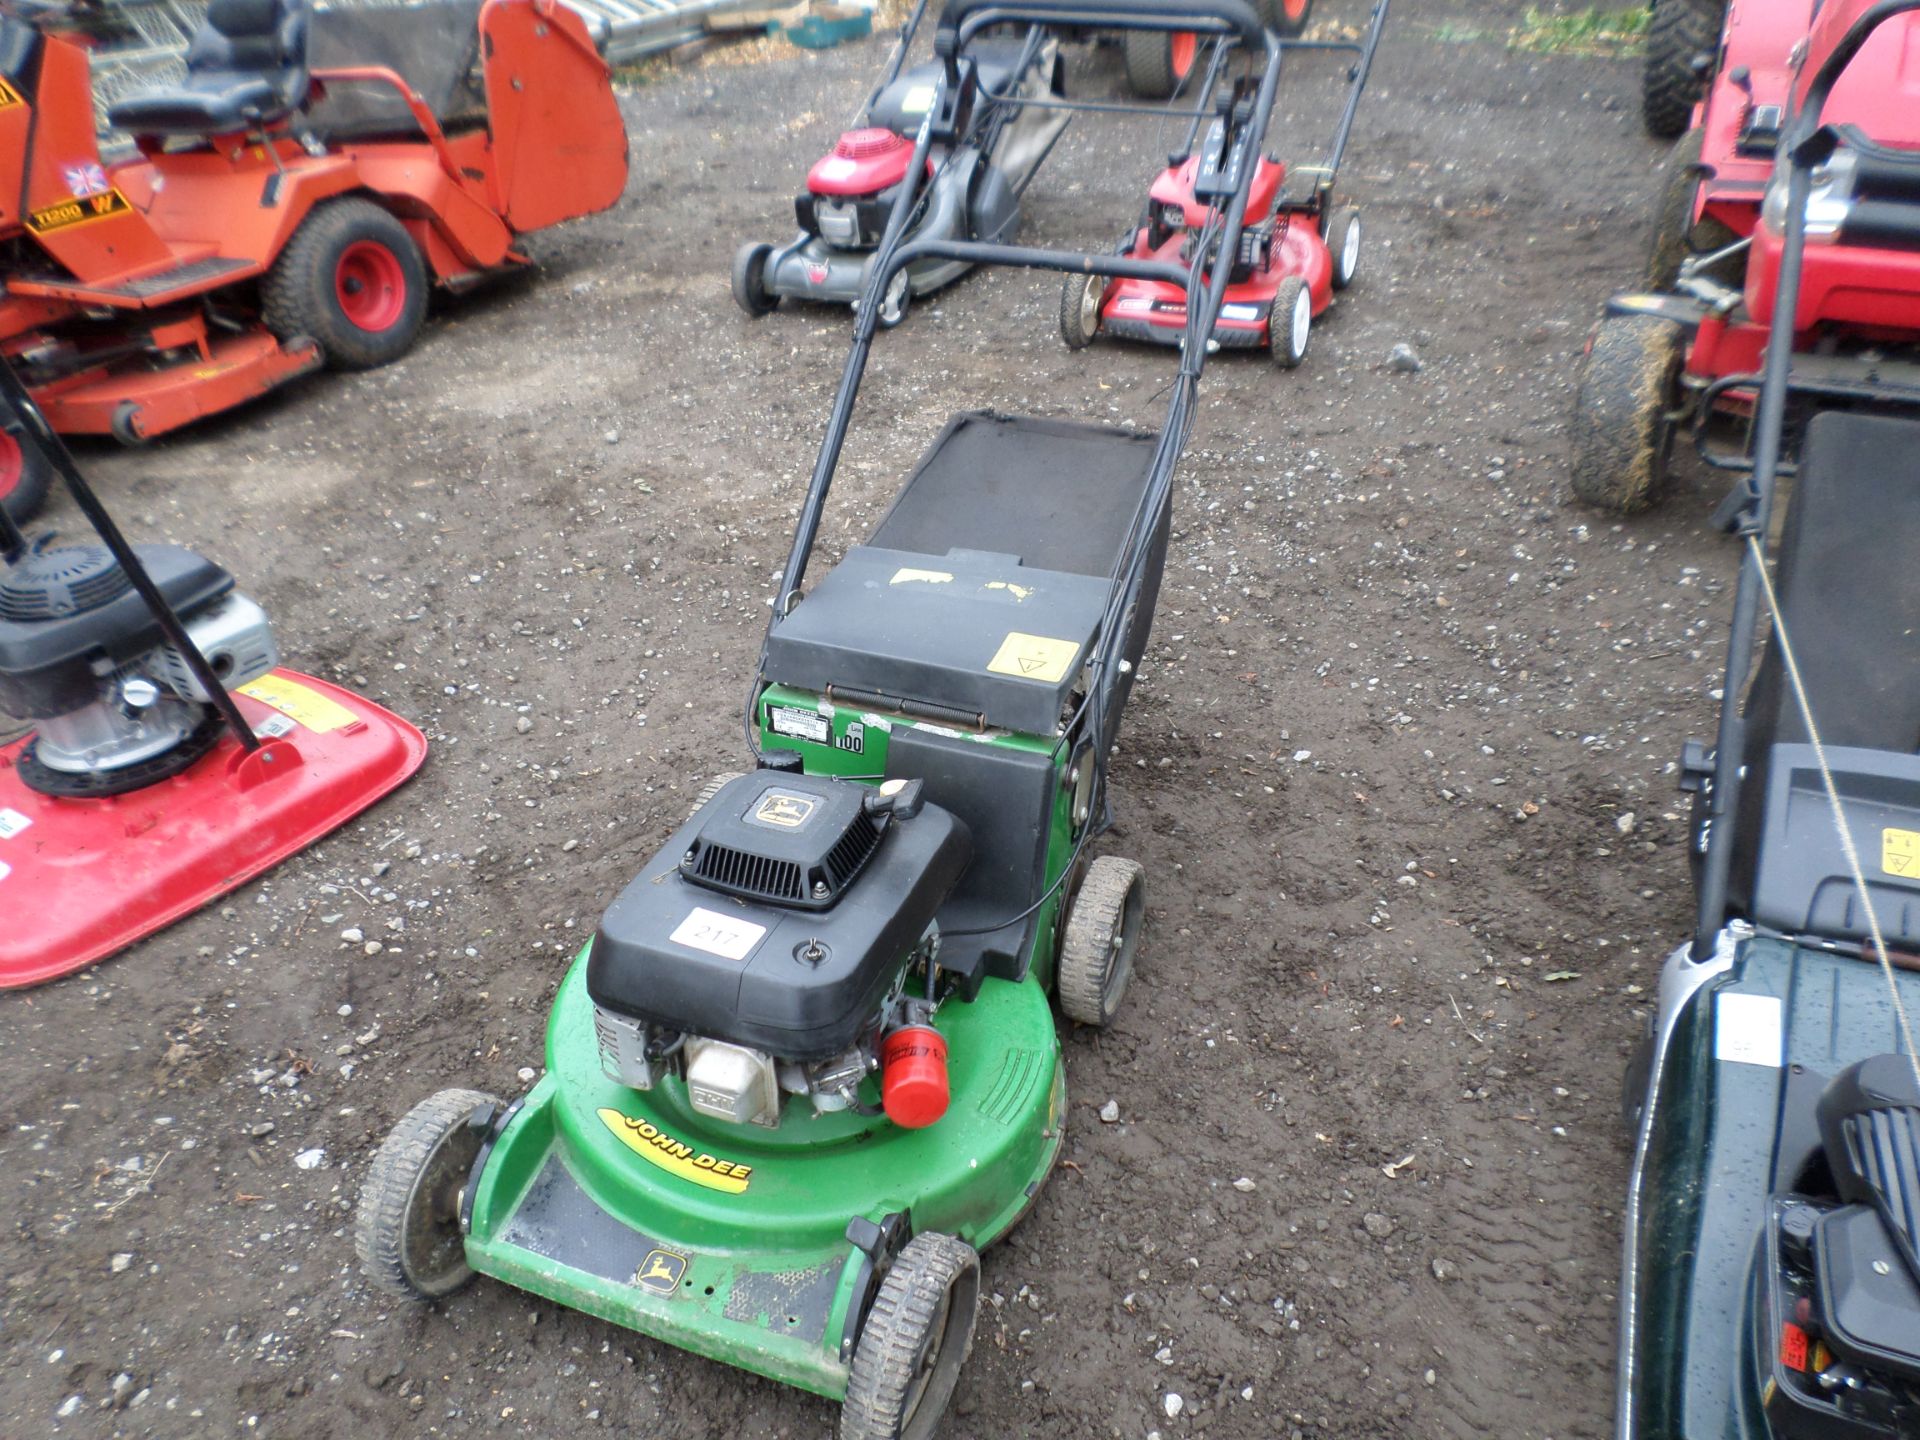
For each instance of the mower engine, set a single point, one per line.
(850, 191)
(766, 951)
(114, 706)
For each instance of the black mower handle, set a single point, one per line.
(961, 18)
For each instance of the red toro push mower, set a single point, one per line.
(171, 758)
(291, 202)
(1298, 248)
(1660, 361)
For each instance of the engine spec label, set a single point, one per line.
(676, 1157)
(1899, 852)
(69, 213)
(12, 822)
(801, 724)
(300, 703)
(727, 936)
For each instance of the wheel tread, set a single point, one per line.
(902, 1312)
(381, 1215)
(1678, 31)
(1085, 945)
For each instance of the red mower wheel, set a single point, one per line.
(1289, 17)
(1158, 60)
(353, 279)
(24, 478)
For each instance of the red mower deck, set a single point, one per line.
(83, 879)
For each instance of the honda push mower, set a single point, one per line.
(1663, 362)
(979, 173)
(1299, 247)
(1771, 1286)
(806, 1068)
(171, 758)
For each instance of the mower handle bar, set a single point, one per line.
(962, 18)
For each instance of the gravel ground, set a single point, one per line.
(1399, 766)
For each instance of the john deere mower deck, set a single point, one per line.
(1771, 1285)
(806, 1069)
(171, 758)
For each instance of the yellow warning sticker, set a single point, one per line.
(300, 703)
(1034, 657)
(676, 1157)
(77, 212)
(9, 96)
(1900, 853)
(907, 575)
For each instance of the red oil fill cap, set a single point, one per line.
(913, 1076)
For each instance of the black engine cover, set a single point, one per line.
(796, 973)
(86, 613)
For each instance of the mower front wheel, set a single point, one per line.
(750, 291)
(25, 478)
(1290, 322)
(1080, 300)
(1101, 941)
(1343, 245)
(353, 280)
(1676, 235)
(1621, 430)
(916, 1338)
(407, 1226)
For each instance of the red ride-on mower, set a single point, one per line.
(292, 199)
(1660, 361)
(1159, 62)
(1298, 248)
(171, 758)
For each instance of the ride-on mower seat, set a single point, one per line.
(246, 67)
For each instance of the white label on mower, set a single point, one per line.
(274, 726)
(837, 167)
(917, 101)
(1240, 312)
(1747, 1029)
(5, 870)
(802, 724)
(12, 822)
(723, 935)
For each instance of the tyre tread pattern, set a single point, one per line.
(380, 1219)
(1087, 945)
(296, 295)
(1614, 435)
(902, 1312)
(1678, 31)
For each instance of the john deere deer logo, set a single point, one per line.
(661, 1272)
(789, 812)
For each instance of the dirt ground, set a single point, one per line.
(1400, 768)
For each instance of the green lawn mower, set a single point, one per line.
(1771, 1269)
(807, 1069)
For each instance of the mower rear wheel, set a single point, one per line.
(1680, 32)
(1157, 60)
(1343, 245)
(750, 291)
(916, 1338)
(1290, 322)
(894, 301)
(1676, 235)
(25, 478)
(1288, 17)
(352, 279)
(712, 788)
(1101, 941)
(1080, 300)
(407, 1226)
(1620, 432)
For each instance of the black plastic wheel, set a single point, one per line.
(353, 280)
(1343, 245)
(1102, 940)
(407, 1227)
(1154, 61)
(914, 1342)
(1080, 301)
(25, 477)
(1678, 35)
(1290, 322)
(750, 291)
(1288, 17)
(1620, 432)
